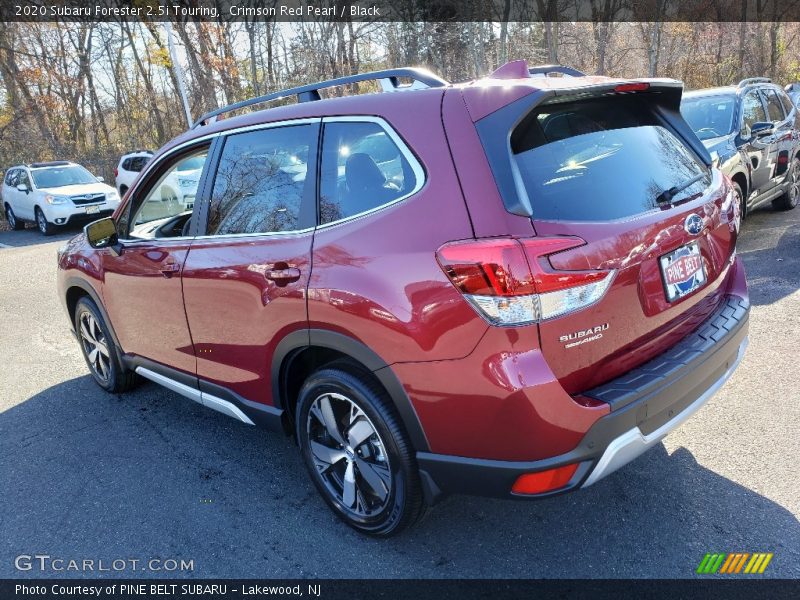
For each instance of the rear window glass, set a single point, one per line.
(599, 160)
(137, 163)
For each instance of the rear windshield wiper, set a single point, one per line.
(666, 196)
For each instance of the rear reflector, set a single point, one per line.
(544, 481)
(510, 281)
(632, 87)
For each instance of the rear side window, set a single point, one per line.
(362, 169)
(599, 160)
(135, 163)
(774, 106)
(260, 181)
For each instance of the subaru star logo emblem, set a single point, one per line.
(693, 224)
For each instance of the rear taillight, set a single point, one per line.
(510, 281)
(116, 171)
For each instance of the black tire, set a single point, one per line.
(106, 367)
(13, 222)
(123, 189)
(790, 198)
(396, 501)
(44, 226)
(740, 199)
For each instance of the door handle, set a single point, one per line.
(282, 276)
(169, 268)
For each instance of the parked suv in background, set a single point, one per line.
(754, 130)
(128, 169)
(52, 194)
(510, 287)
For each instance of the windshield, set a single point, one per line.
(53, 177)
(709, 116)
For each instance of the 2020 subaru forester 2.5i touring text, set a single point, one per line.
(509, 287)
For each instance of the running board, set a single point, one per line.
(204, 398)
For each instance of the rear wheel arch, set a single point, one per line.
(302, 352)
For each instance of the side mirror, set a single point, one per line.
(101, 179)
(762, 129)
(102, 233)
(23, 188)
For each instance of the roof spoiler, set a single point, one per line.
(518, 69)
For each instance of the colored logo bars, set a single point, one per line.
(734, 563)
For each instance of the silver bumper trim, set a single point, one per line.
(633, 442)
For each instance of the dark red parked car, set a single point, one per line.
(509, 287)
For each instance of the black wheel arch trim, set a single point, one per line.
(291, 345)
(95, 296)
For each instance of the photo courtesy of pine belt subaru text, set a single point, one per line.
(509, 287)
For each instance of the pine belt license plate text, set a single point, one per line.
(682, 271)
(90, 210)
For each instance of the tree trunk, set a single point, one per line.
(148, 84)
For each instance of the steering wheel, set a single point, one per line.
(713, 131)
(186, 227)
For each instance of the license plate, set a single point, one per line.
(90, 210)
(683, 271)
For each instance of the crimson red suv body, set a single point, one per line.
(509, 287)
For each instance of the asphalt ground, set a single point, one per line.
(88, 475)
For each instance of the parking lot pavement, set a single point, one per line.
(151, 475)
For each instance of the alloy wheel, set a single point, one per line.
(12, 220)
(739, 200)
(794, 183)
(349, 455)
(95, 346)
(41, 221)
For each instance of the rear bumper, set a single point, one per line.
(646, 404)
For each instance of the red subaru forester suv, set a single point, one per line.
(508, 287)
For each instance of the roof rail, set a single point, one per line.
(388, 78)
(547, 69)
(752, 80)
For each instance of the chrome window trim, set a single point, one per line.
(227, 236)
(416, 167)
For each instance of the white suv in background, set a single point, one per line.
(51, 194)
(129, 167)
